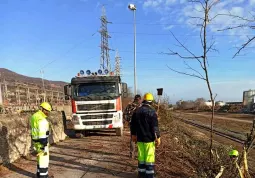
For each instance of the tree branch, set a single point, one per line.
(222, 168)
(183, 57)
(211, 48)
(243, 46)
(248, 20)
(201, 35)
(239, 17)
(213, 4)
(189, 67)
(184, 73)
(184, 46)
(234, 27)
(197, 18)
(197, 1)
(194, 56)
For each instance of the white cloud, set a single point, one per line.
(159, 5)
(168, 27)
(179, 12)
(169, 2)
(152, 3)
(252, 2)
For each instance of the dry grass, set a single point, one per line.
(185, 152)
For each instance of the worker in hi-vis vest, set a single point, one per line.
(40, 133)
(145, 131)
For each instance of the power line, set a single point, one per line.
(67, 52)
(53, 72)
(222, 60)
(161, 24)
(167, 55)
(166, 69)
(168, 34)
(158, 53)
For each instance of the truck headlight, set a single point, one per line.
(75, 120)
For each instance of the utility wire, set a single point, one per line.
(165, 54)
(159, 24)
(67, 52)
(168, 34)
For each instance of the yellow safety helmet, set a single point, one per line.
(46, 106)
(233, 153)
(148, 97)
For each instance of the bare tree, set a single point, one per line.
(202, 59)
(186, 105)
(199, 103)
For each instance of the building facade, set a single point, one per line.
(248, 99)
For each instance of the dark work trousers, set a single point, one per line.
(132, 145)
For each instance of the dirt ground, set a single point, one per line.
(105, 155)
(101, 155)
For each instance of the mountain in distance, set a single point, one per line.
(11, 76)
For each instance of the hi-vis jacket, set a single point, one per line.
(39, 130)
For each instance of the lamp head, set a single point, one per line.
(132, 7)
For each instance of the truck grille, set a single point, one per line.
(98, 116)
(97, 122)
(89, 107)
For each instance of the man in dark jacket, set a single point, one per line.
(145, 131)
(130, 109)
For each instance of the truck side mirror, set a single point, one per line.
(124, 88)
(67, 91)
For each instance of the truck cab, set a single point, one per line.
(96, 100)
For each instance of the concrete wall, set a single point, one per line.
(15, 139)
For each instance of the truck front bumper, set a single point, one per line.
(87, 124)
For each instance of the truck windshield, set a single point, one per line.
(96, 89)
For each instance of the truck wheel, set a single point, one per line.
(78, 134)
(119, 131)
(86, 133)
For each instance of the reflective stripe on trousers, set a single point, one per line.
(146, 159)
(42, 164)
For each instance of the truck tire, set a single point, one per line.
(78, 134)
(85, 133)
(119, 131)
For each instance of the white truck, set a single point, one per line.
(96, 100)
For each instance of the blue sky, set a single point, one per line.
(62, 36)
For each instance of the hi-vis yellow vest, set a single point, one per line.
(39, 126)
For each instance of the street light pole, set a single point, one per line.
(133, 8)
(135, 84)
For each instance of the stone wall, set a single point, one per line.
(15, 139)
